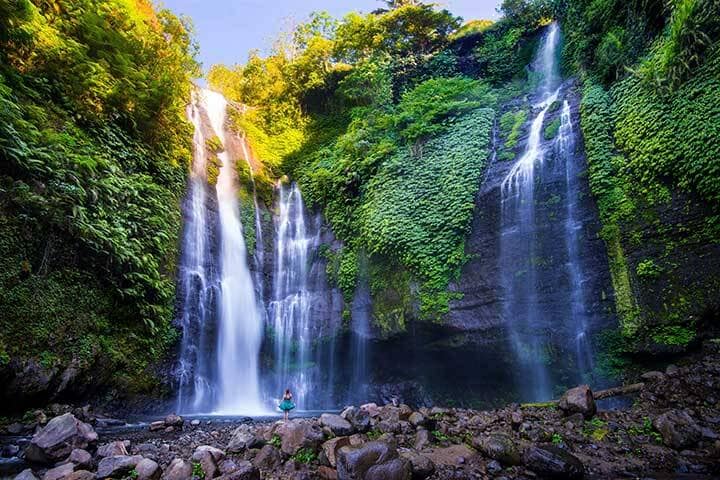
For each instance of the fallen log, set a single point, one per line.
(599, 395)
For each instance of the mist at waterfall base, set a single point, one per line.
(534, 288)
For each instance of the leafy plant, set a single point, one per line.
(197, 470)
(305, 455)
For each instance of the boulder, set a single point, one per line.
(178, 469)
(147, 469)
(416, 419)
(499, 447)
(578, 400)
(678, 429)
(243, 438)
(81, 458)
(26, 474)
(371, 408)
(396, 469)
(112, 449)
(422, 466)
(209, 459)
(422, 439)
(59, 472)
(117, 466)
(244, 471)
(268, 458)
(298, 434)
(337, 424)
(58, 438)
(173, 420)
(327, 473)
(81, 475)
(372, 461)
(331, 447)
(551, 462)
(405, 412)
(358, 418)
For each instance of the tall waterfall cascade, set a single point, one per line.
(222, 377)
(533, 262)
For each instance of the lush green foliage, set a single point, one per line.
(93, 153)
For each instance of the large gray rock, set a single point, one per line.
(422, 466)
(499, 447)
(26, 474)
(244, 471)
(298, 434)
(60, 472)
(117, 466)
(173, 420)
(552, 462)
(81, 475)
(268, 458)
(147, 469)
(243, 437)
(80, 458)
(331, 447)
(678, 429)
(58, 438)
(422, 439)
(578, 400)
(372, 461)
(337, 424)
(178, 469)
(209, 458)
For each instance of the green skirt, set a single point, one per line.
(287, 405)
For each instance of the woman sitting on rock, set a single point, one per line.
(287, 404)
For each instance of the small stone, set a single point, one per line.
(169, 429)
(337, 424)
(498, 446)
(671, 370)
(494, 467)
(195, 423)
(653, 376)
(516, 419)
(416, 419)
(244, 471)
(327, 473)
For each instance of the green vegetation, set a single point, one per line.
(551, 129)
(511, 124)
(275, 441)
(646, 114)
(93, 155)
(305, 455)
(197, 471)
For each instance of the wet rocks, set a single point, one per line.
(678, 429)
(372, 461)
(147, 469)
(58, 438)
(244, 471)
(117, 466)
(59, 472)
(112, 449)
(331, 447)
(422, 466)
(578, 400)
(81, 458)
(244, 437)
(298, 434)
(26, 474)
(552, 462)
(499, 447)
(178, 469)
(209, 459)
(268, 458)
(337, 424)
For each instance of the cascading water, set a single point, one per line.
(298, 353)
(233, 381)
(259, 255)
(532, 259)
(196, 278)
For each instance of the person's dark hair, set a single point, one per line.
(287, 391)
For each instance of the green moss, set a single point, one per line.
(648, 269)
(511, 124)
(551, 129)
(673, 335)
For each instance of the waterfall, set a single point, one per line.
(573, 226)
(259, 254)
(539, 264)
(292, 327)
(225, 373)
(194, 370)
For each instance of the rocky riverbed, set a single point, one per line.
(672, 430)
